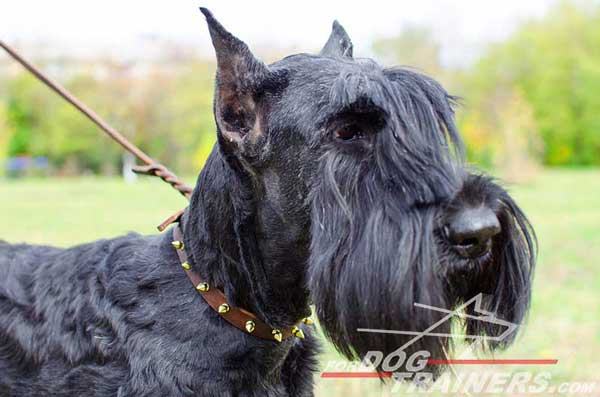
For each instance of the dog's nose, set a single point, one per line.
(470, 231)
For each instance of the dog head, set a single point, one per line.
(357, 170)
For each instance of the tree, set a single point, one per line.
(5, 136)
(554, 64)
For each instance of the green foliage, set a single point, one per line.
(4, 136)
(553, 67)
(531, 99)
(165, 109)
(20, 116)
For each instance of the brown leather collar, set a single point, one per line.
(236, 316)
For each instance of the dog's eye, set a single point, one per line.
(349, 133)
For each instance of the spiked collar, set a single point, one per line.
(242, 319)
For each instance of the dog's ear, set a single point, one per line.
(240, 77)
(338, 44)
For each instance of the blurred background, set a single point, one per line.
(528, 73)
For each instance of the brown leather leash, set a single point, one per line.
(216, 299)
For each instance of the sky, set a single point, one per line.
(128, 28)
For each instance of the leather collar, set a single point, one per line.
(242, 319)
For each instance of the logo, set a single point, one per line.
(466, 381)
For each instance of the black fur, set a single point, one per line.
(332, 180)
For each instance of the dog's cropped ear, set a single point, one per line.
(338, 44)
(240, 77)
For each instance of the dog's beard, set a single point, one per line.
(373, 259)
(504, 277)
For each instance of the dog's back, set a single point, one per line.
(54, 324)
(18, 265)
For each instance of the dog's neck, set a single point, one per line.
(256, 268)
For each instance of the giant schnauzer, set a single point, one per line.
(335, 182)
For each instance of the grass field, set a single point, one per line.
(563, 205)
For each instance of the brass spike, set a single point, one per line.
(203, 287)
(250, 326)
(186, 266)
(308, 321)
(223, 308)
(277, 335)
(178, 245)
(297, 332)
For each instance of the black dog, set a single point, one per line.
(334, 181)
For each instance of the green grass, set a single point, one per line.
(563, 205)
